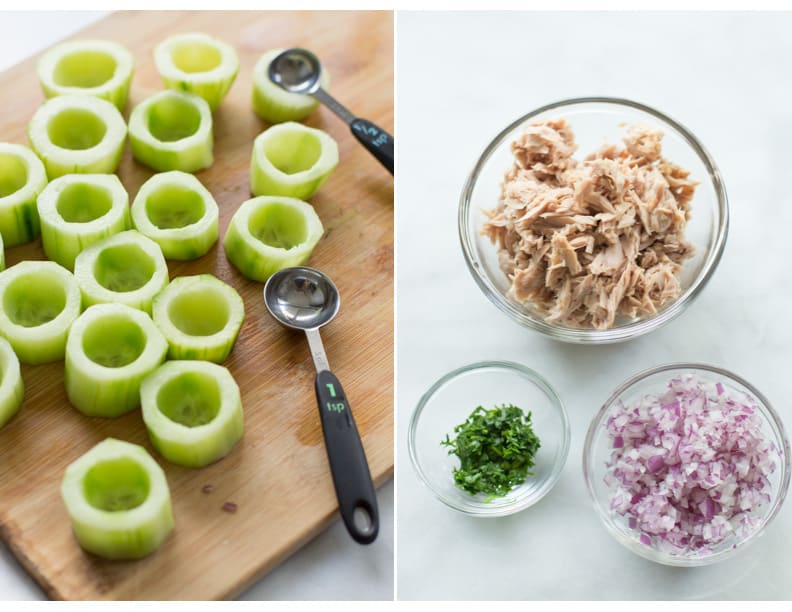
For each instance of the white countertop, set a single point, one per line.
(462, 78)
(331, 567)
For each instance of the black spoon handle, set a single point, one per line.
(376, 140)
(348, 464)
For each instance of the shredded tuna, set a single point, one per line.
(588, 241)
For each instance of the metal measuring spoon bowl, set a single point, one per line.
(296, 70)
(299, 71)
(305, 298)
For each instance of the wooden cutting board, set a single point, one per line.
(278, 475)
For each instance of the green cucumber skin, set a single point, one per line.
(273, 112)
(142, 304)
(20, 223)
(197, 157)
(43, 351)
(117, 96)
(64, 249)
(213, 92)
(106, 165)
(205, 453)
(214, 354)
(181, 249)
(96, 398)
(251, 264)
(125, 544)
(10, 405)
(262, 184)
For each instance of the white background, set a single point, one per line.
(330, 567)
(461, 78)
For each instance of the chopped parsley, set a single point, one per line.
(496, 450)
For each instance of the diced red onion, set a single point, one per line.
(689, 468)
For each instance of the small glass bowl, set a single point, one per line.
(450, 401)
(596, 121)
(597, 448)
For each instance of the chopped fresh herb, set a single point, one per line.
(496, 450)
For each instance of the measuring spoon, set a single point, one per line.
(306, 299)
(299, 71)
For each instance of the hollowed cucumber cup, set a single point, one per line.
(172, 130)
(39, 301)
(291, 159)
(178, 213)
(78, 135)
(126, 268)
(267, 234)
(110, 350)
(22, 178)
(118, 501)
(99, 68)
(273, 103)
(193, 412)
(12, 389)
(200, 317)
(199, 64)
(78, 210)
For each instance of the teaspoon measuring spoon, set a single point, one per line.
(306, 299)
(299, 71)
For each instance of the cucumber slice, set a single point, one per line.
(193, 412)
(77, 210)
(268, 234)
(2, 254)
(99, 68)
(118, 501)
(126, 268)
(172, 130)
(39, 301)
(178, 213)
(200, 317)
(291, 159)
(22, 178)
(199, 64)
(12, 390)
(78, 135)
(273, 103)
(111, 349)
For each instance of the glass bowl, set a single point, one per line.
(596, 121)
(597, 449)
(450, 401)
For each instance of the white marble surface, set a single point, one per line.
(461, 78)
(331, 567)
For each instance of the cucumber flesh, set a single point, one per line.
(12, 389)
(267, 234)
(291, 159)
(178, 213)
(22, 178)
(193, 412)
(99, 68)
(199, 64)
(39, 301)
(126, 268)
(78, 210)
(78, 135)
(273, 103)
(172, 130)
(118, 501)
(110, 350)
(200, 317)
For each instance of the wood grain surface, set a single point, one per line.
(278, 475)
